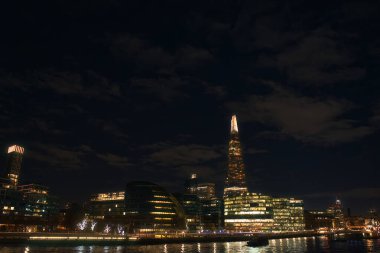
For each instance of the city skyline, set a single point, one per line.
(233, 185)
(104, 93)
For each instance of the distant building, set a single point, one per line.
(193, 210)
(248, 212)
(191, 184)
(150, 208)
(336, 211)
(297, 220)
(212, 214)
(205, 191)
(315, 220)
(38, 202)
(14, 160)
(107, 207)
(235, 183)
(24, 208)
(203, 210)
(281, 215)
(254, 212)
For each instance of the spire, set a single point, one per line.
(234, 126)
(235, 183)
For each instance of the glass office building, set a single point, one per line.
(150, 208)
(248, 212)
(235, 183)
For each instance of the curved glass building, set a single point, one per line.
(150, 208)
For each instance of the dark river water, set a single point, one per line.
(309, 244)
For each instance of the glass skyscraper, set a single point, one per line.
(235, 183)
(14, 161)
(254, 212)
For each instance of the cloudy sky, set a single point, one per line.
(104, 92)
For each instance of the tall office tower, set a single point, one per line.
(336, 210)
(191, 184)
(206, 191)
(14, 161)
(235, 183)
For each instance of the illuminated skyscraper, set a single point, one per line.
(235, 183)
(14, 161)
(336, 210)
(191, 184)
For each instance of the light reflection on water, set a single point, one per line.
(310, 244)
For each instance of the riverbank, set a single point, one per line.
(57, 239)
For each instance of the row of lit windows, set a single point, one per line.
(168, 213)
(160, 201)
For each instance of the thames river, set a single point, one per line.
(310, 244)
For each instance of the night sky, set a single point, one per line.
(101, 93)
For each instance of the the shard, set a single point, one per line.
(235, 183)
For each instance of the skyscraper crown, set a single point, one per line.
(234, 126)
(15, 148)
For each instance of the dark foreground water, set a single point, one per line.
(279, 245)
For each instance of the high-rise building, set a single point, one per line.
(297, 220)
(193, 211)
(15, 154)
(191, 184)
(206, 191)
(281, 214)
(235, 183)
(249, 212)
(203, 210)
(27, 207)
(336, 210)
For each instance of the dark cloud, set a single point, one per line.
(166, 89)
(179, 155)
(115, 160)
(308, 119)
(143, 55)
(319, 58)
(59, 157)
(253, 151)
(357, 193)
(88, 84)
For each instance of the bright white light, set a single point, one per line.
(93, 224)
(82, 225)
(120, 230)
(107, 229)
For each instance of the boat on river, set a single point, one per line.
(258, 241)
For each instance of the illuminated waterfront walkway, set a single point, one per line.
(104, 239)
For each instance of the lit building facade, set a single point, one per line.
(150, 208)
(24, 207)
(297, 220)
(204, 211)
(336, 210)
(212, 214)
(191, 184)
(37, 201)
(316, 219)
(193, 210)
(254, 212)
(14, 161)
(248, 212)
(107, 207)
(206, 191)
(235, 183)
(281, 215)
